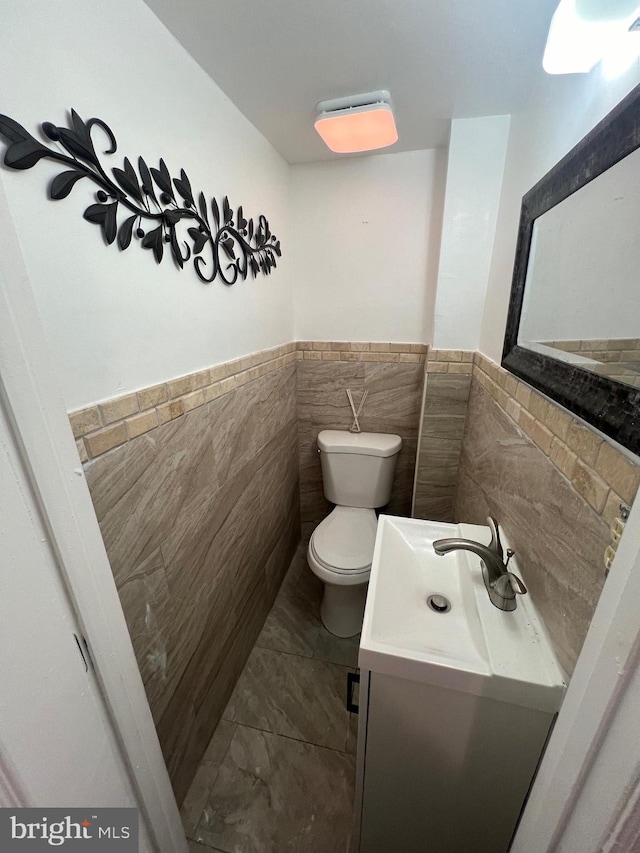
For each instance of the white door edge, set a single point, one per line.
(11, 797)
(42, 429)
(581, 796)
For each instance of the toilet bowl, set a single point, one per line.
(357, 474)
(340, 553)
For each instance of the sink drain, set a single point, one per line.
(438, 603)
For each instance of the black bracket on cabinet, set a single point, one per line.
(353, 678)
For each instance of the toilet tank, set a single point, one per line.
(358, 467)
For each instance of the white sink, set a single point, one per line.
(474, 647)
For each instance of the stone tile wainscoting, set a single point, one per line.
(608, 349)
(619, 357)
(200, 517)
(102, 427)
(554, 484)
(195, 483)
(492, 445)
(447, 382)
(392, 374)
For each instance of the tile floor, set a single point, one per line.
(279, 772)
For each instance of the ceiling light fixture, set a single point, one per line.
(357, 122)
(583, 32)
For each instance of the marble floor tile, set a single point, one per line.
(309, 586)
(338, 650)
(293, 696)
(269, 794)
(291, 626)
(196, 847)
(294, 625)
(278, 795)
(198, 793)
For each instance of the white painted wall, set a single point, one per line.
(561, 111)
(474, 180)
(365, 235)
(361, 236)
(116, 321)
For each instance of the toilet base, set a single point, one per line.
(342, 609)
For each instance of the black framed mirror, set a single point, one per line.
(573, 328)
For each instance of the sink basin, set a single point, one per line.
(473, 647)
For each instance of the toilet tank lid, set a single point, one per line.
(365, 443)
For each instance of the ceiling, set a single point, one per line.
(440, 59)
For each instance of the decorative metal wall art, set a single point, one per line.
(154, 198)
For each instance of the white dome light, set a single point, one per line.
(357, 122)
(584, 32)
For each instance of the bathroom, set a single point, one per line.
(196, 408)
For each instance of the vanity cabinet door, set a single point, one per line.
(443, 770)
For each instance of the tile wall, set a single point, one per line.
(102, 427)
(392, 374)
(492, 445)
(618, 358)
(609, 349)
(196, 485)
(200, 518)
(554, 484)
(447, 382)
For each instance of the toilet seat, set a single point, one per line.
(343, 543)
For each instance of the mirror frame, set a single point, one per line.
(610, 406)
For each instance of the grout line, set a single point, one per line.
(305, 657)
(271, 649)
(214, 779)
(296, 739)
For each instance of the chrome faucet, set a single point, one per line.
(502, 585)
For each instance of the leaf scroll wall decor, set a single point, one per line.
(150, 198)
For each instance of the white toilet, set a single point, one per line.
(357, 475)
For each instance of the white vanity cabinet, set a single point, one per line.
(441, 771)
(457, 698)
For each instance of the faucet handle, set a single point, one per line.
(495, 544)
(516, 584)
